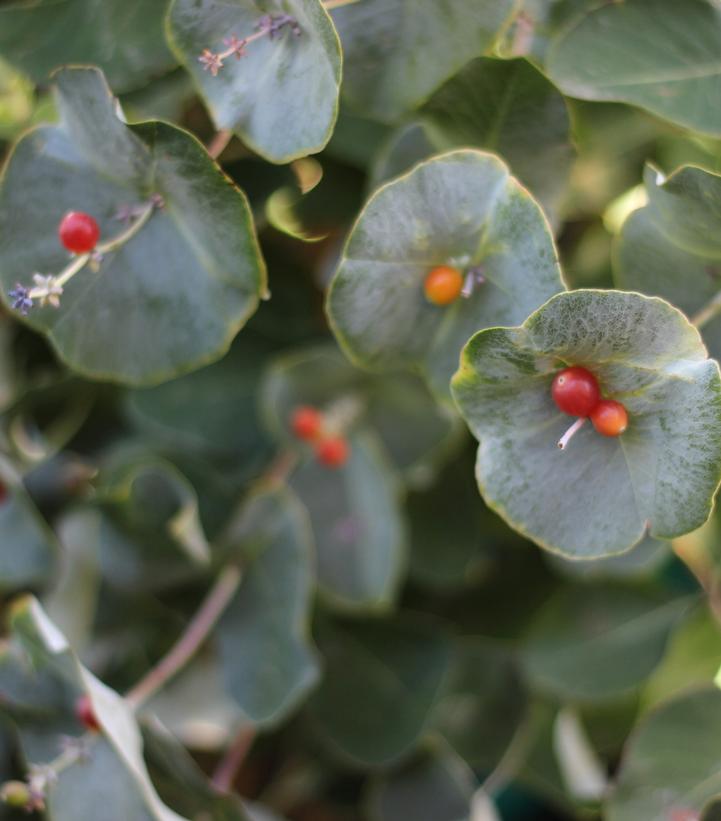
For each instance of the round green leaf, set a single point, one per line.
(124, 37)
(357, 522)
(671, 767)
(267, 659)
(596, 642)
(460, 207)
(391, 672)
(281, 97)
(672, 247)
(661, 55)
(600, 495)
(173, 297)
(396, 52)
(504, 106)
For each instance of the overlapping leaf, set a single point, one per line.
(124, 37)
(672, 246)
(655, 780)
(267, 659)
(358, 526)
(460, 207)
(397, 52)
(171, 298)
(592, 643)
(504, 106)
(281, 97)
(415, 431)
(40, 675)
(28, 548)
(658, 54)
(600, 495)
(383, 668)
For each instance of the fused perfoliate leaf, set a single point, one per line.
(267, 72)
(601, 494)
(462, 210)
(170, 298)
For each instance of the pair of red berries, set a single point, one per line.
(576, 392)
(78, 232)
(307, 423)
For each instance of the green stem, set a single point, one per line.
(710, 311)
(200, 627)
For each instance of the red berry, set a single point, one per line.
(575, 391)
(78, 232)
(306, 422)
(85, 714)
(443, 285)
(333, 451)
(609, 418)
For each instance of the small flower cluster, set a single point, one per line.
(270, 25)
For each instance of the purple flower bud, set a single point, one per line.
(21, 299)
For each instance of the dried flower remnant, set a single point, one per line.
(270, 25)
(48, 288)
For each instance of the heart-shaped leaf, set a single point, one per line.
(40, 36)
(171, 297)
(595, 642)
(672, 247)
(281, 95)
(267, 658)
(382, 667)
(504, 106)
(396, 52)
(601, 494)
(672, 70)
(656, 780)
(358, 525)
(41, 662)
(463, 209)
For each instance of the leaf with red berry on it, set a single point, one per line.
(269, 73)
(177, 270)
(601, 494)
(460, 210)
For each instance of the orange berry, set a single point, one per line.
(609, 418)
(306, 423)
(333, 451)
(443, 285)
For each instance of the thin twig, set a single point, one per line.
(710, 311)
(219, 142)
(213, 606)
(232, 761)
(336, 4)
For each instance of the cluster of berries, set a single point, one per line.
(576, 392)
(309, 425)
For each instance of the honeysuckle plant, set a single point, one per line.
(360, 413)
